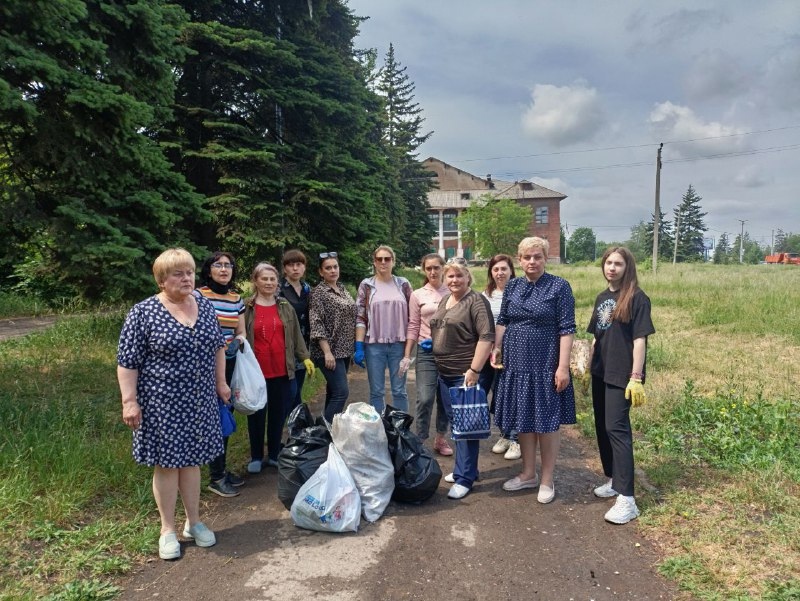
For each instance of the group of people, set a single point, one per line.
(178, 351)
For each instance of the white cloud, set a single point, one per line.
(673, 122)
(714, 74)
(563, 115)
(750, 177)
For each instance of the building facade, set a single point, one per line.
(457, 190)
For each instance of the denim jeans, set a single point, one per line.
(427, 392)
(465, 471)
(336, 390)
(379, 356)
(270, 420)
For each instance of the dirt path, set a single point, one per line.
(20, 326)
(491, 545)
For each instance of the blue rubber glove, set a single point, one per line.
(358, 356)
(426, 345)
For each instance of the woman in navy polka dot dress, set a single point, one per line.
(171, 369)
(533, 340)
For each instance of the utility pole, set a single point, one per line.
(657, 214)
(677, 235)
(741, 241)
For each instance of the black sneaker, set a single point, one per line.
(223, 489)
(234, 480)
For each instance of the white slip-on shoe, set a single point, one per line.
(546, 494)
(513, 452)
(458, 491)
(203, 537)
(168, 546)
(517, 483)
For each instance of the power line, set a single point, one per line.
(645, 145)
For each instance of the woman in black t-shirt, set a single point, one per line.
(621, 324)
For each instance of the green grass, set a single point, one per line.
(717, 439)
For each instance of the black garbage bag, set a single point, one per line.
(304, 452)
(416, 471)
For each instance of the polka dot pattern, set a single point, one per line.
(176, 388)
(536, 315)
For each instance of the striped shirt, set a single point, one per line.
(227, 307)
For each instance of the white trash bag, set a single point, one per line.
(248, 386)
(359, 435)
(329, 500)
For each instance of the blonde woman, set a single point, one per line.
(273, 332)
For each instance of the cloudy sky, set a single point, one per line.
(577, 95)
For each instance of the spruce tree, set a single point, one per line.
(689, 227)
(407, 198)
(84, 86)
(665, 239)
(722, 250)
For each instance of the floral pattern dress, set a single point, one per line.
(176, 387)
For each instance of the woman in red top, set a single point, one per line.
(274, 333)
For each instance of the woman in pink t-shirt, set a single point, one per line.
(421, 307)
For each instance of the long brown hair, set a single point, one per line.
(627, 286)
(430, 257)
(491, 285)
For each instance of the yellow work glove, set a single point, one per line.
(634, 392)
(310, 369)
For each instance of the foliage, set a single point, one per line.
(722, 250)
(665, 237)
(83, 88)
(746, 249)
(494, 225)
(582, 245)
(786, 242)
(689, 228)
(637, 243)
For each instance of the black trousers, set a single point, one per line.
(612, 422)
(270, 420)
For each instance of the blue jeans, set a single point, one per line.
(427, 392)
(336, 390)
(465, 471)
(379, 356)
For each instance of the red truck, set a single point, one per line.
(785, 258)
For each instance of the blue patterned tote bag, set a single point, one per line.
(470, 413)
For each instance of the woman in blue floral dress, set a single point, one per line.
(533, 340)
(171, 370)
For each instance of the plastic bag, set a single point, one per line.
(248, 387)
(416, 472)
(360, 437)
(470, 413)
(226, 420)
(304, 452)
(329, 500)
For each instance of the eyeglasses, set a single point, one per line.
(457, 261)
(222, 265)
(328, 255)
(383, 259)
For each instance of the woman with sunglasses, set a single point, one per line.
(332, 317)
(218, 285)
(381, 324)
(421, 308)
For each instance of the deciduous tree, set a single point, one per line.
(495, 225)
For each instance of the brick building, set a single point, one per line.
(457, 189)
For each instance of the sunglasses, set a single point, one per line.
(222, 265)
(383, 259)
(457, 261)
(328, 255)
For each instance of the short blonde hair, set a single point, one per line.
(170, 260)
(532, 242)
(462, 267)
(263, 266)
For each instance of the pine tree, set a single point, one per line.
(84, 86)
(722, 251)
(689, 227)
(406, 203)
(665, 239)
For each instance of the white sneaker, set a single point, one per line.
(501, 446)
(605, 491)
(457, 491)
(513, 451)
(624, 511)
(450, 478)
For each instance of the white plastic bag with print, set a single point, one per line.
(360, 437)
(248, 386)
(329, 500)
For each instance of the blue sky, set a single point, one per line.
(577, 95)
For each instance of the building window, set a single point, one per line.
(465, 196)
(541, 215)
(450, 224)
(434, 219)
